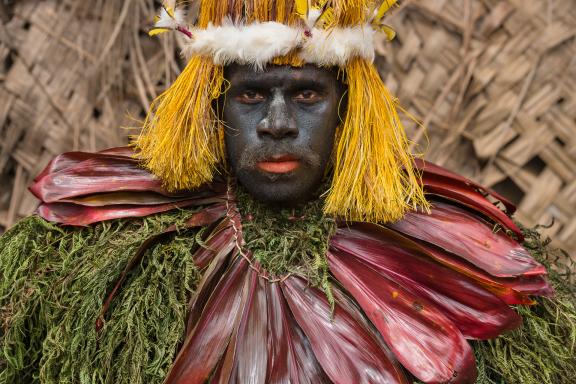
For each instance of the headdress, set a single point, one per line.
(374, 178)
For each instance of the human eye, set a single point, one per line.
(307, 96)
(250, 97)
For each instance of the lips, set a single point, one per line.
(279, 164)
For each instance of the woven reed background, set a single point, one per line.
(494, 81)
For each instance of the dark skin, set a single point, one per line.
(280, 127)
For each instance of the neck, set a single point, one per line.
(287, 240)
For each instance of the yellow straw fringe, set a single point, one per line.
(181, 140)
(346, 12)
(374, 178)
(292, 59)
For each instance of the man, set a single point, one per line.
(272, 229)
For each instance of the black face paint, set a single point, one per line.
(280, 127)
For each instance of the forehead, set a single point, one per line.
(245, 75)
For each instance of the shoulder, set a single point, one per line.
(57, 278)
(81, 188)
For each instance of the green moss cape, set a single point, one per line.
(54, 281)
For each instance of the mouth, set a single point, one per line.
(279, 164)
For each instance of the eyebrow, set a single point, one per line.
(258, 81)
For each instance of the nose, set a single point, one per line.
(278, 122)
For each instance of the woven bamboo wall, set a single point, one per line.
(494, 81)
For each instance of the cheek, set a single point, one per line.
(239, 131)
(320, 129)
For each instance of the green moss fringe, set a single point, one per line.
(53, 282)
(289, 241)
(543, 350)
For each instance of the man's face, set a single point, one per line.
(280, 127)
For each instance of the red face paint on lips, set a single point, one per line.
(279, 164)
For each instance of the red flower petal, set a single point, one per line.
(207, 342)
(468, 236)
(344, 348)
(536, 285)
(99, 173)
(123, 198)
(69, 159)
(470, 198)
(511, 290)
(220, 242)
(290, 357)
(350, 306)
(125, 151)
(78, 215)
(476, 312)
(252, 346)
(247, 354)
(433, 170)
(75, 174)
(215, 255)
(423, 339)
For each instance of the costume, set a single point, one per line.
(179, 276)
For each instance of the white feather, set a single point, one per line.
(166, 21)
(313, 17)
(255, 44)
(337, 46)
(259, 43)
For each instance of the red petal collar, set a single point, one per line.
(408, 294)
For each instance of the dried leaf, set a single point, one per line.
(421, 337)
(470, 198)
(72, 214)
(477, 313)
(206, 344)
(470, 237)
(215, 257)
(290, 357)
(347, 352)
(251, 348)
(433, 170)
(512, 290)
(97, 173)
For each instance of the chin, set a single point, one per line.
(288, 190)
